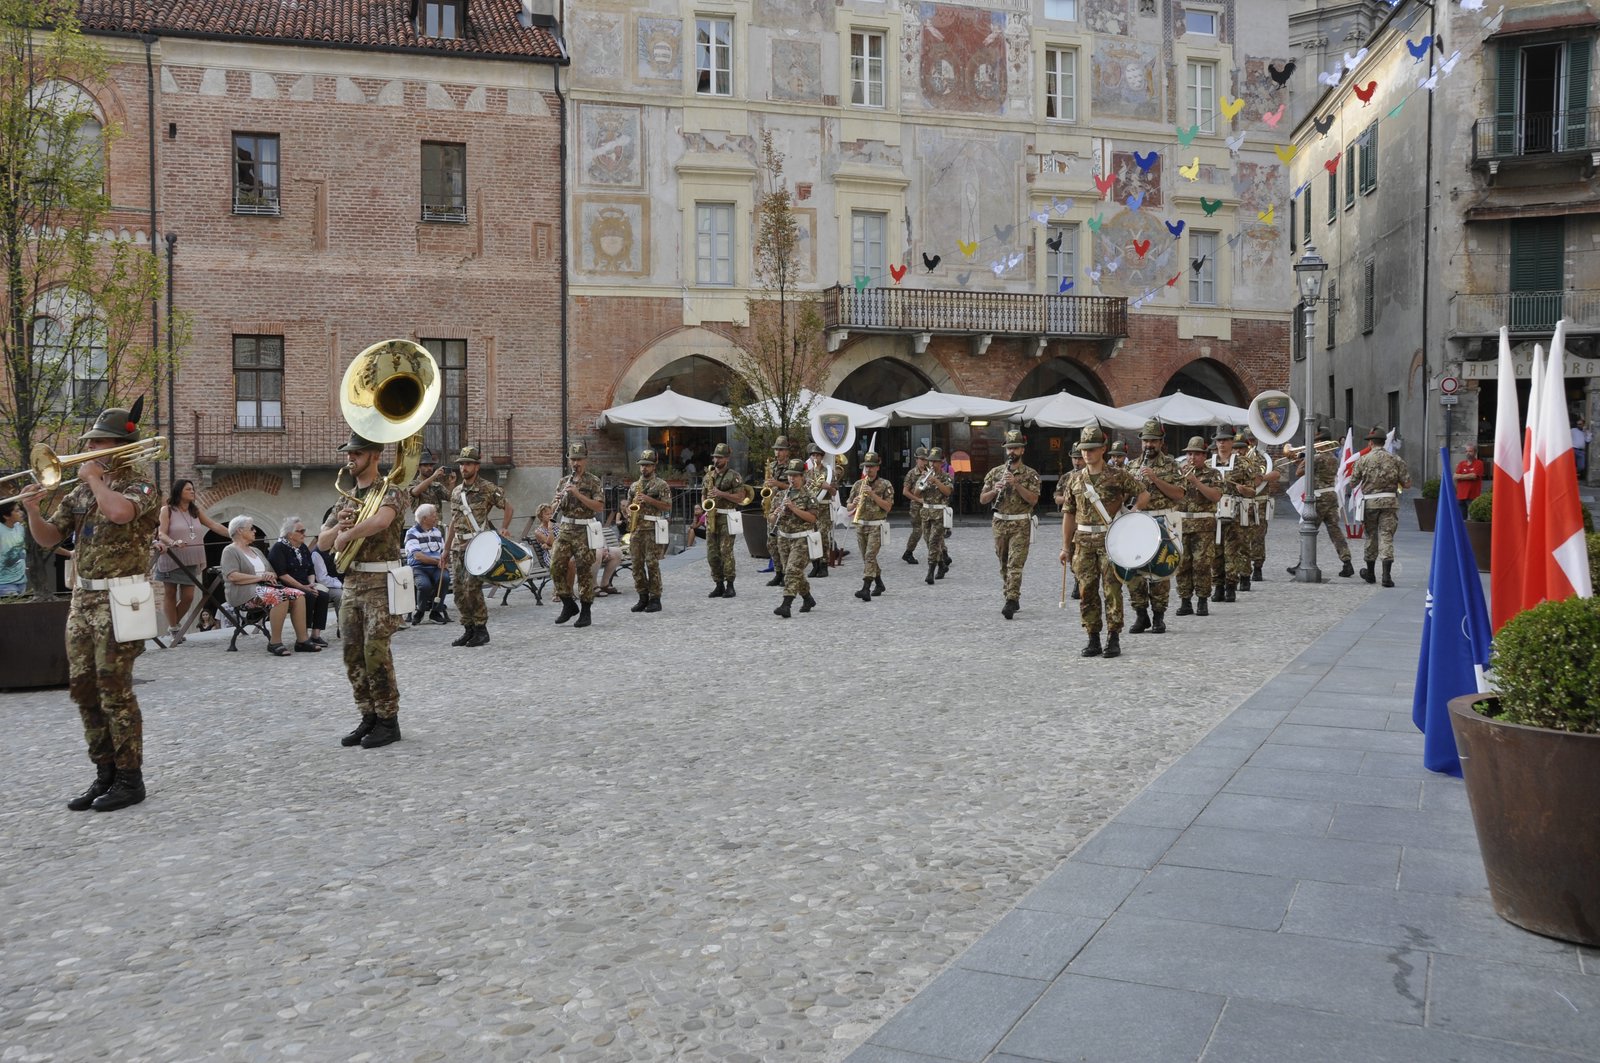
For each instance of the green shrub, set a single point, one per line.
(1430, 488)
(1593, 540)
(1588, 520)
(1482, 508)
(1547, 666)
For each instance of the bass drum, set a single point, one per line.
(495, 559)
(1141, 545)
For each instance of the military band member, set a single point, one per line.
(869, 503)
(1261, 508)
(797, 512)
(1117, 456)
(822, 490)
(579, 502)
(1325, 508)
(727, 487)
(365, 622)
(1231, 568)
(1094, 497)
(933, 489)
(914, 505)
(1061, 504)
(1381, 477)
(654, 499)
(1014, 489)
(474, 497)
(1164, 479)
(114, 511)
(1202, 486)
(432, 485)
(774, 482)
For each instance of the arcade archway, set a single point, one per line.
(878, 383)
(1057, 375)
(1206, 378)
(692, 361)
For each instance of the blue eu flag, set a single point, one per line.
(1455, 636)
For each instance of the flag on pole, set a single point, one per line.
(1558, 559)
(1391, 442)
(1535, 386)
(1297, 495)
(1509, 531)
(1455, 638)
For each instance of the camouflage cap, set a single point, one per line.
(871, 458)
(935, 454)
(427, 457)
(117, 423)
(1015, 438)
(1378, 432)
(359, 443)
(1224, 435)
(1119, 448)
(1092, 438)
(815, 448)
(474, 455)
(1197, 444)
(794, 467)
(921, 452)
(1324, 436)
(722, 450)
(781, 443)
(647, 457)
(1151, 430)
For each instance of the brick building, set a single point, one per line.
(329, 175)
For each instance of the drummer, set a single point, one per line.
(1093, 495)
(1158, 470)
(474, 497)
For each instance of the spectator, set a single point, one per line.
(608, 559)
(327, 578)
(181, 552)
(544, 531)
(425, 554)
(1468, 479)
(252, 583)
(1580, 445)
(291, 560)
(13, 550)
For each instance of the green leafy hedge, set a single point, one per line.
(1593, 540)
(1430, 488)
(1547, 665)
(1482, 508)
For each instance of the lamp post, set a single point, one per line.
(1308, 274)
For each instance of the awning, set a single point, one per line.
(1071, 411)
(860, 416)
(668, 410)
(1179, 408)
(938, 406)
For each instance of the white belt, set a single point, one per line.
(1012, 516)
(1198, 514)
(934, 506)
(654, 520)
(1092, 529)
(578, 520)
(792, 535)
(106, 584)
(1324, 491)
(874, 524)
(375, 566)
(1369, 495)
(1158, 512)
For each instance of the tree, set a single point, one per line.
(78, 306)
(779, 370)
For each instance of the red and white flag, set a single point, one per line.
(1510, 528)
(1558, 560)
(1535, 408)
(1341, 478)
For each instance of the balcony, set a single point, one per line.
(1525, 313)
(1531, 139)
(310, 441)
(925, 313)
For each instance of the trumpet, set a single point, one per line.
(1293, 452)
(45, 466)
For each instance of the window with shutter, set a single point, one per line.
(1333, 313)
(1538, 253)
(1369, 296)
(1577, 119)
(1350, 177)
(1294, 232)
(1333, 197)
(1369, 158)
(1505, 99)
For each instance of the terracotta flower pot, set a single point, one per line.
(1427, 512)
(1478, 535)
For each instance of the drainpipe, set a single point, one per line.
(1427, 264)
(155, 301)
(562, 241)
(172, 367)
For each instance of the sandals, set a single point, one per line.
(277, 649)
(306, 647)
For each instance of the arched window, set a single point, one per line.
(69, 139)
(69, 353)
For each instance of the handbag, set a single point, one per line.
(735, 522)
(661, 532)
(133, 611)
(596, 535)
(814, 545)
(402, 590)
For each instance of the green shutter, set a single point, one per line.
(1538, 252)
(1577, 120)
(1505, 100)
(1369, 159)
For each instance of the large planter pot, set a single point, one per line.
(1427, 512)
(1482, 544)
(1535, 797)
(33, 644)
(755, 536)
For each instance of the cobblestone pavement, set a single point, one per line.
(703, 834)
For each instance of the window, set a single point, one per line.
(1333, 197)
(867, 253)
(1200, 87)
(713, 245)
(1369, 296)
(1294, 232)
(713, 56)
(1061, 10)
(69, 140)
(1332, 303)
(1350, 164)
(1542, 97)
(444, 182)
(866, 69)
(444, 431)
(1538, 272)
(1201, 22)
(1394, 413)
(444, 19)
(1061, 84)
(1203, 282)
(71, 359)
(1297, 339)
(255, 173)
(258, 381)
(1060, 256)
(1350, 406)
(1369, 158)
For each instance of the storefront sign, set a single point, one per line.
(1573, 367)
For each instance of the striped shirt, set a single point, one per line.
(423, 540)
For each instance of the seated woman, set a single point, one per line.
(608, 558)
(290, 557)
(253, 584)
(544, 533)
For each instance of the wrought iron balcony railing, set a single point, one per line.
(966, 313)
(1524, 313)
(1533, 136)
(310, 441)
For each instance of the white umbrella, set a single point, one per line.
(860, 416)
(938, 406)
(1179, 408)
(667, 410)
(1070, 411)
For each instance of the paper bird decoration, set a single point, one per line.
(1353, 61)
(1272, 119)
(1331, 78)
(1191, 172)
(1234, 143)
(968, 249)
(1165, 256)
(1042, 217)
(1061, 207)
(1430, 82)
(1145, 161)
(1136, 201)
(1450, 64)
(1175, 228)
(1491, 25)
(1054, 242)
(1396, 109)
(1268, 215)
(1186, 136)
(1197, 264)
(1233, 241)
(963, 279)
(1472, 5)
(1365, 95)
(1141, 246)
(931, 262)
(1115, 264)
(1095, 222)
(1210, 206)
(1322, 125)
(1004, 234)
(1419, 49)
(1174, 281)
(1281, 74)
(1104, 184)
(1066, 286)
(1231, 107)
(1332, 165)
(862, 281)
(1094, 275)
(1297, 193)
(1285, 152)
(898, 272)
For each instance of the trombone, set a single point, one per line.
(1293, 453)
(45, 466)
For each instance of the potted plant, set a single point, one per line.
(1428, 504)
(1531, 759)
(1479, 513)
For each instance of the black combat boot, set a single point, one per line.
(909, 558)
(1186, 607)
(777, 577)
(1077, 595)
(480, 637)
(1243, 584)
(639, 607)
(354, 737)
(718, 591)
(1093, 649)
(1158, 623)
(807, 603)
(1348, 569)
(126, 789)
(1202, 608)
(822, 566)
(1256, 573)
(1141, 622)
(1367, 573)
(569, 609)
(104, 776)
(1230, 593)
(783, 610)
(1113, 645)
(1387, 580)
(877, 586)
(933, 571)
(383, 732)
(1011, 607)
(654, 605)
(466, 635)
(865, 593)
(583, 616)
(1292, 569)
(944, 566)
(727, 590)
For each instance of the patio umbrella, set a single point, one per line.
(1070, 411)
(860, 416)
(939, 406)
(1179, 408)
(668, 410)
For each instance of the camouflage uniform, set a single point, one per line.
(1232, 561)
(1325, 473)
(914, 506)
(795, 557)
(478, 497)
(821, 491)
(1196, 565)
(1144, 591)
(869, 534)
(1379, 472)
(1096, 578)
(572, 541)
(934, 503)
(435, 494)
(642, 545)
(99, 668)
(1013, 524)
(364, 618)
(1256, 534)
(719, 543)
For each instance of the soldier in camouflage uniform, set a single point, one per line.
(114, 511)
(1117, 456)
(771, 484)
(474, 497)
(1325, 501)
(727, 487)
(797, 516)
(579, 501)
(654, 499)
(1061, 504)
(934, 497)
(1381, 477)
(1261, 509)
(1094, 498)
(365, 621)
(1164, 479)
(1231, 568)
(432, 486)
(913, 475)
(1014, 489)
(869, 504)
(1202, 486)
(822, 491)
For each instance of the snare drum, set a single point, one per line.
(496, 559)
(1141, 545)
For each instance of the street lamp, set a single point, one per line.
(1308, 274)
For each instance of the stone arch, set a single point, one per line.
(1061, 374)
(872, 348)
(1207, 378)
(690, 341)
(881, 381)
